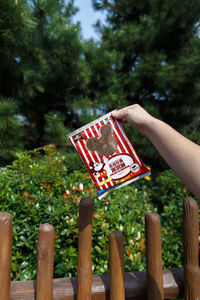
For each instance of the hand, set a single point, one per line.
(134, 115)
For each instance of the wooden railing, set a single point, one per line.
(155, 284)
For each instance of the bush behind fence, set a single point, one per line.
(153, 284)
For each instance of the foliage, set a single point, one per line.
(157, 44)
(16, 29)
(55, 129)
(10, 129)
(39, 189)
(168, 193)
(103, 90)
(42, 68)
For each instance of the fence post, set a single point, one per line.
(155, 289)
(116, 266)
(5, 254)
(45, 261)
(191, 249)
(84, 272)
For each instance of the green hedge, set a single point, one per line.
(40, 188)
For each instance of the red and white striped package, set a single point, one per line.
(108, 154)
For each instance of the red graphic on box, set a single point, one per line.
(120, 161)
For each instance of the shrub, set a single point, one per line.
(39, 189)
(170, 192)
(167, 193)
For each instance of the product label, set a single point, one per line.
(108, 154)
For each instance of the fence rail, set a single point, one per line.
(154, 284)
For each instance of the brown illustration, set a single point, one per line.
(106, 144)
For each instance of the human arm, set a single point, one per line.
(181, 154)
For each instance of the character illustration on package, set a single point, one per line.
(108, 154)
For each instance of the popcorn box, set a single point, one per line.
(108, 154)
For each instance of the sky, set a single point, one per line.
(87, 16)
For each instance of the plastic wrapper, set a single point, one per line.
(108, 154)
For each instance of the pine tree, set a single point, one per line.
(16, 27)
(55, 130)
(11, 129)
(42, 66)
(102, 85)
(59, 65)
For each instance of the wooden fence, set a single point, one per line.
(155, 284)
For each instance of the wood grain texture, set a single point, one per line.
(154, 257)
(45, 262)
(191, 249)
(5, 254)
(116, 266)
(84, 272)
(135, 287)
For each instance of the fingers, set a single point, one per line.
(134, 115)
(120, 114)
(125, 112)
